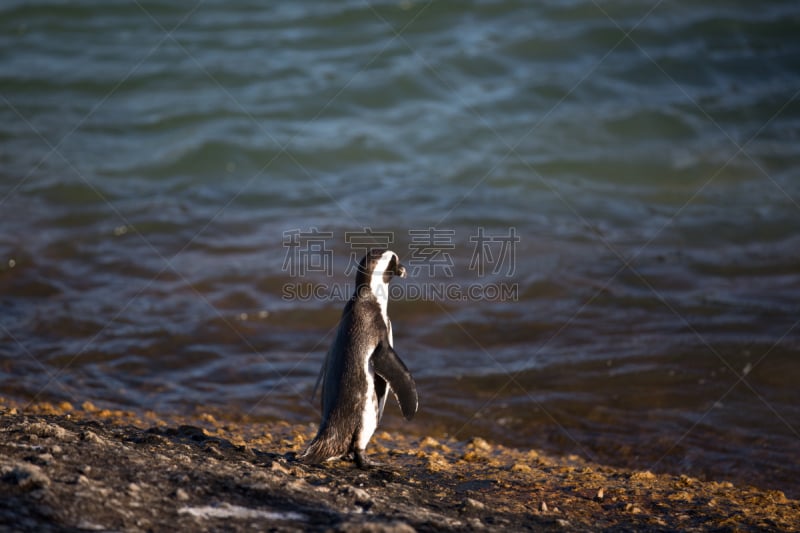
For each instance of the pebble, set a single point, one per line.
(600, 495)
(429, 442)
(474, 505)
(632, 509)
(475, 523)
(277, 467)
(360, 496)
(90, 436)
(478, 443)
(45, 458)
(181, 495)
(376, 527)
(298, 485)
(214, 451)
(521, 467)
(543, 507)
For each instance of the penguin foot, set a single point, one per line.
(363, 461)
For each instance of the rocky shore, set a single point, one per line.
(65, 467)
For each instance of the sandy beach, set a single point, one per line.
(66, 467)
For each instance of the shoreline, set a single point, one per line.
(65, 467)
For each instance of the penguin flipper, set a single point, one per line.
(387, 364)
(380, 391)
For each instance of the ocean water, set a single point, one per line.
(599, 201)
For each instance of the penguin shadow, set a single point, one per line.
(217, 485)
(184, 434)
(346, 467)
(194, 436)
(221, 448)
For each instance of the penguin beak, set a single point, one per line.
(401, 271)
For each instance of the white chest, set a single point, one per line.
(369, 417)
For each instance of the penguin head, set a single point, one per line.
(378, 267)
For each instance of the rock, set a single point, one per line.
(522, 468)
(680, 495)
(360, 496)
(475, 523)
(479, 444)
(471, 456)
(643, 476)
(376, 527)
(429, 442)
(631, 508)
(297, 485)
(23, 475)
(471, 504)
(85, 525)
(174, 479)
(46, 430)
(90, 436)
(279, 468)
(436, 462)
(44, 458)
(214, 451)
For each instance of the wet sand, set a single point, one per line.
(65, 467)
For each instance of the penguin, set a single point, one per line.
(361, 367)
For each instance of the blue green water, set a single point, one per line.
(155, 158)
